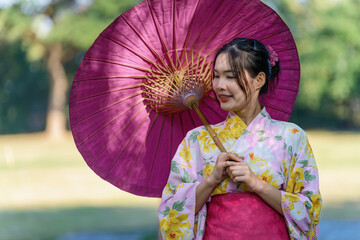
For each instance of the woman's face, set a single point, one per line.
(227, 89)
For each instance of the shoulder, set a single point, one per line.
(194, 133)
(289, 131)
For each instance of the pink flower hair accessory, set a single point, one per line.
(273, 56)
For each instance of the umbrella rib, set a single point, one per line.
(192, 120)
(205, 26)
(156, 151)
(103, 109)
(119, 132)
(174, 34)
(171, 136)
(289, 89)
(169, 88)
(160, 36)
(182, 126)
(226, 22)
(107, 124)
(204, 103)
(112, 91)
(159, 67)
(110, 77)
(147, 45)
(272, 34)
(188, 34)
(212, 97)
(131, 138)
(284, 49)
(119, 63)
(142, 147)
(237, 33)
(276, 108)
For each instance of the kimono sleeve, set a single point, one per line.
(301, 201)
(177, 208)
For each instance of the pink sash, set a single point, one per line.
(243, 216)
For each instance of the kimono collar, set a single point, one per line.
(258, 123)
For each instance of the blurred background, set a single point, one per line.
(46, 189)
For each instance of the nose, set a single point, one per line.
(218, 84)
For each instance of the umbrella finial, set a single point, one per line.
(191, 99)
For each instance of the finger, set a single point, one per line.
(235, 157)
(238, 179)
(231, 163)
(234, 168)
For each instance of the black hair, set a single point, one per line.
(253, 56)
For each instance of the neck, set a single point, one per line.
(248, 114)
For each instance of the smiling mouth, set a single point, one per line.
(224, 98)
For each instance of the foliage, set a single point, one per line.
(21, 81)
(328, 40)
(29, 31)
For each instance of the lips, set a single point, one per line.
(224, 97)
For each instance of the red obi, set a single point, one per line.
(243, 216)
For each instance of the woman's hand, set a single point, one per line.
(239, 171)
(224, 160)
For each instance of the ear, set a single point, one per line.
(260, 80)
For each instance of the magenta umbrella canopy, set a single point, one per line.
(126, 110)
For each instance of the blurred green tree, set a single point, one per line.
(328, 39)
(53, 32)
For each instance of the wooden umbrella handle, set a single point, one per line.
(208, 128)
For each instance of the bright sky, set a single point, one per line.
(6, 3)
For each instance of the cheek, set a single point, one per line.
(214, 84)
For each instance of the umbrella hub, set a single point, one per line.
(166, 88)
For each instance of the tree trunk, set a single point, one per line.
(56, 117)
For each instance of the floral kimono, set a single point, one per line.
(277, 152)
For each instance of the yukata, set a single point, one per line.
(277, 152)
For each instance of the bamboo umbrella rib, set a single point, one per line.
(213, 98)
(236, 34)
(156, 151)
(108, 92)
(142, 148)
(205, 25)
(156, 92)
(290, 69)
(225, 23)
(165, 84)
(279, 109)
(119, 132)
(159, 67)
(182, 125)
(174, 34)
(171, 136)
(192, 119)
(160, 36)
(106, 78)
(288, 89)
(130, 139)
(210, 108)
(147, 45)
(188, 33)
(107, 107)
(284, 49)
(250, 25)
(118, 63)
(272, 34)
(108, 123)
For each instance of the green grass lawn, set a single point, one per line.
(47, 190)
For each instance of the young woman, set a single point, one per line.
(266, 185)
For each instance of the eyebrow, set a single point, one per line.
(227, 71)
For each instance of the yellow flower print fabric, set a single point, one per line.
(277, 152)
